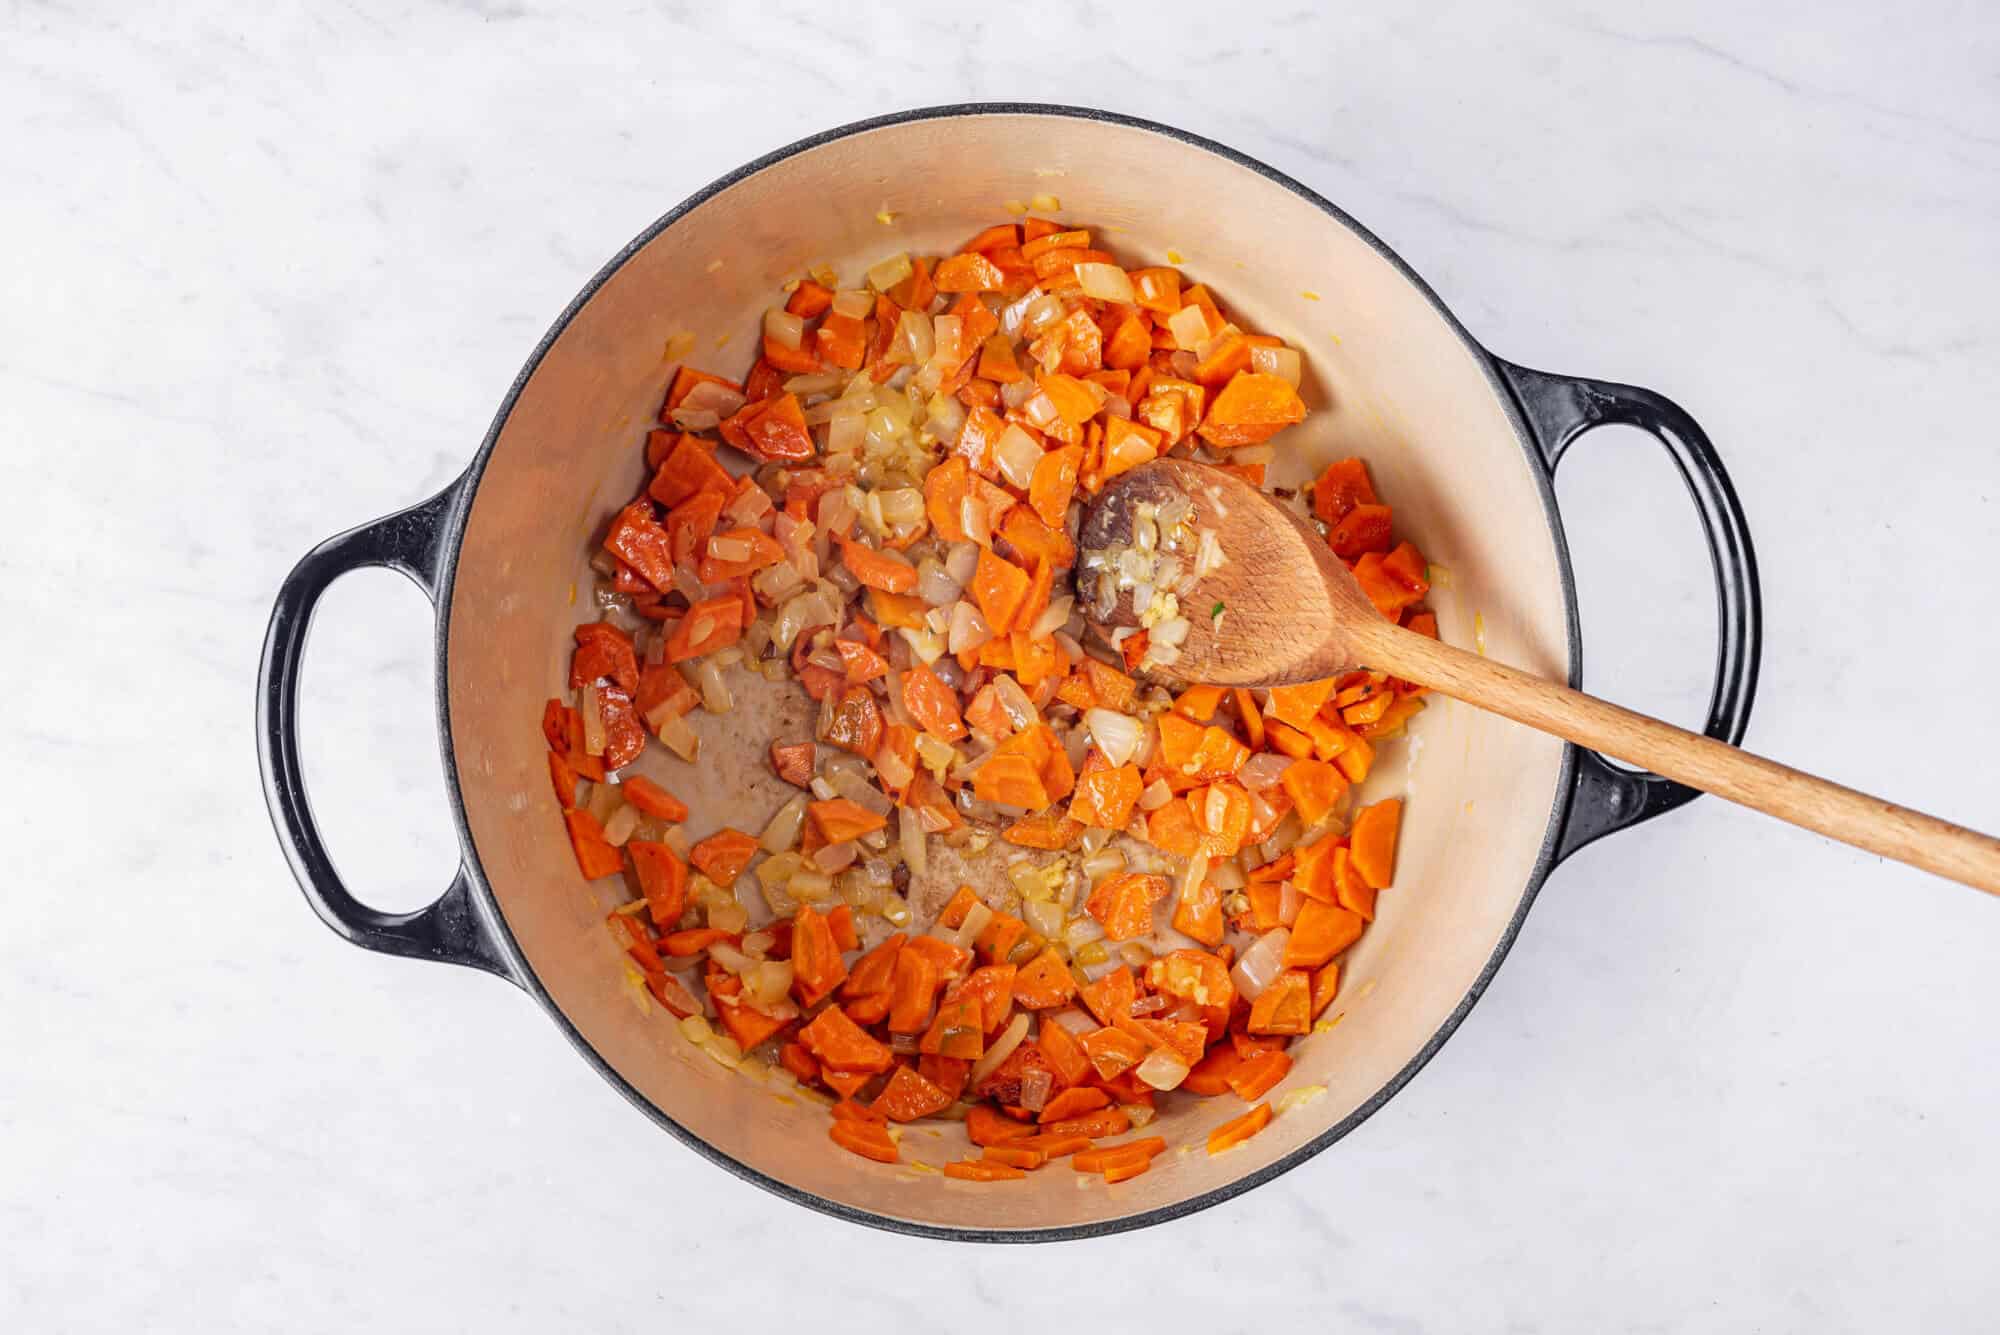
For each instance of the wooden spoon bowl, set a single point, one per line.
(1280, 608)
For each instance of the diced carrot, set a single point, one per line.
(662, 879)
(866, 1139)
(1103, 1122)
(1073, 1102)
(724, 855)
(842, 820)
(693, 941)
(1285, 1007)
(932, 704)
(1361, 530)
(1373, 841)
(685, 379)
(794, 1058)
(1015, 1156)
(981, 1170)
(1253, 1077)
(1000, 588)
(707, 627)
(909, 1096)
(1211, 1075)
(652, 799)
(809, 299)
(1234, 1132)
(842, 1045)
(563, 779)
(1340, 488)
(596, 857)
(887, 571)
(1124, 904)
(1314, 787)
(985, 1126)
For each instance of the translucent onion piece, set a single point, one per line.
(1044, 917)
(944, 416)
(621, 825)
(730, 958)
(844, 435)
(1054, 617)
(1195, 872)
(885, 274)
(1280, 362)
(1156, 795)
(782, 832)
(977, 919)
(1260, 965)
(1161, 1070)
(1105, 862)
(680, 738)
(1189, 326)
(837, 857)
(781, 326)
(896, 772)
(592, 709)
(1116, 735)
(934, 586)
(968, 628)
(856, 788)
(999, 1050)
(1290, 901)
(695, 419)
(715, 695)
(766, 982)
(915, 341)
(730, 916)
(854, 303)
(910, 838)
(1014, 701)
(1036, 1086)
(709, 397)
(1016, 453)
(961, 561)
(1262, 771)
(809, 886)
(1106, 282)
(1040, 313)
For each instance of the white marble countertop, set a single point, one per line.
(265, 277)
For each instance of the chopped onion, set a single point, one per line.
(715, 695)
(1045, 918)
(1076, 1021)
(895, 771)
(944, 416)
(1105, 862)
(1156, 795)
(1014, 702)
(729, 916)
(915, 341)
(1081, 932)
(885, 274)
(1036, 1086)
(781, 326)
(1170, 633)
(1262, 771)
(766, 982)
(1054, 617)
(1227, 875)
(961, 561)
(968, 628)
(679, 738)
(1116, 735)
(1106, 282)
(977, 918)
(1040, 410)
(621, 825)
(695, 419)
(934, 585)
(910, 837)
(730, 958)
(1017, 454)
(1040, 313)
(1260, 965)
(1290, 901)
(844, 435)
(1189, 326)
(808, 609)
(836, 857)
(1161, 1070)
(856, 788)
(854, 303)
(592, 710)
(1194, 873)
(809, 886)
(1280, 362)
(709, 397)
(782, 832)
(999, 1050)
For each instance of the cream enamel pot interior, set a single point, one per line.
(1461, 443)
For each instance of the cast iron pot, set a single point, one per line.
(1463, 443)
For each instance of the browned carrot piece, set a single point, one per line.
(867, 1139)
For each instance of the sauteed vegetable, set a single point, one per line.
(882, 515)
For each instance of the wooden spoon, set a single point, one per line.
(1292, 613)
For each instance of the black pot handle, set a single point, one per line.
(449, 929)
(1605, 798)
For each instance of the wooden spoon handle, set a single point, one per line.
(1701, 762)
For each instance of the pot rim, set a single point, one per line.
(517, 966)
